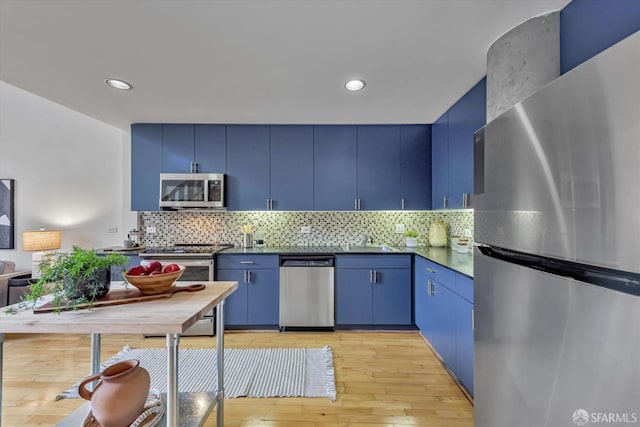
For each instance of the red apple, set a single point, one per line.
(155, 272)
(171, 268)
(138, 270)
(153, 266)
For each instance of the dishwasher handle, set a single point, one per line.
(307, 261)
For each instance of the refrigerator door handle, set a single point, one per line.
(626, 282)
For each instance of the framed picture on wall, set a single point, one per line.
(6, 214)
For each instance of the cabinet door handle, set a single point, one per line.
(244, 278)
(248, 276)
(444, 202)
(370, 276)
(355, 204)
(402, 203)
(375, 276)
(270, 204)
(430, 270)
(194, 167)
(246, 262)
(465, 200)
(473, 319)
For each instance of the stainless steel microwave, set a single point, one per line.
(192, 191)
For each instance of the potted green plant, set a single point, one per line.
(411, 238)
(77, 277)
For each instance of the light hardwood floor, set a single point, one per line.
(382, 379)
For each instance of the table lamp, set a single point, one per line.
(38, 241)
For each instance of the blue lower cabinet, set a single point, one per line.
(420, 294)
(116, 271)
(443, 306)
(373, 290)
(443, 321)
(354, 297)
(464, 343)
(263, 297)
(235, 307)
(256, 301)
(392, 297)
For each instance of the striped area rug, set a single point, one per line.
(263, 372)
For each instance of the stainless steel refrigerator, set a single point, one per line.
(557, 266)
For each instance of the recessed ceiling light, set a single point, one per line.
(118, 84)
(355, 84)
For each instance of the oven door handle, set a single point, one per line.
(185, 262)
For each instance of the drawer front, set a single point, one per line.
(373, 261)
(464, 287)
(242, 261)
(440, 274)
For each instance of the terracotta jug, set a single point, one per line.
(437, 234)
(119, 397)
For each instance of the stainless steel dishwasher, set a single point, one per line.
(306, 292)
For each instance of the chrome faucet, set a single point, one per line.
(366, 239)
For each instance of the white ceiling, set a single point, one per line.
(254, 61)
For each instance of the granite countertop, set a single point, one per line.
(461, 263)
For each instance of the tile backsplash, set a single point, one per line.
(278, 228)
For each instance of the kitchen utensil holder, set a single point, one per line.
(247, 240)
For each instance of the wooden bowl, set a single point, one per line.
(156, 284)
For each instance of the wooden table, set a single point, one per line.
(170, 317)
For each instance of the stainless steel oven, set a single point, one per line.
(198, 268)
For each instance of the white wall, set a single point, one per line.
(69, 172)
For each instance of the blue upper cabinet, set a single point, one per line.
(193, 148)
(146, 165)
(334, 165)
(465, 118)
(291, 171)
(210, 148)
(452, 149)
(415, 170)
(291, 167)
(440, 161)
(588, 27)
(379, 167)
(177, 148)
(247, 182)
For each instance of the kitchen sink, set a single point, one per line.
(369, 248)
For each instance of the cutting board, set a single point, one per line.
(121, 296)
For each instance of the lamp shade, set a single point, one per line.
(40, 240)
